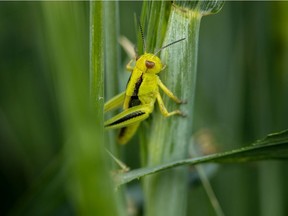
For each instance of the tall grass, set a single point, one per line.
(52, 144)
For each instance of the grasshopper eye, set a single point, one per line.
(149, 64)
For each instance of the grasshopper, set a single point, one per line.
(142, 91)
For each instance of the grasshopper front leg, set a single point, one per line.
(168, 92)
(162, 106)
(129, 116)
(164, 110)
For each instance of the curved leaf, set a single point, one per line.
(203, 7)
(274, 146)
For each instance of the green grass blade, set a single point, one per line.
(112, 50)
(87, 179)
(168, 138)
(274, 146)
(97, 58)
(112, 61)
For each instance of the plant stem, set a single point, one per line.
(169, 137)
(166, 193)
(96, 58)
(112, 62)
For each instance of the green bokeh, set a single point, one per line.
(241, 95)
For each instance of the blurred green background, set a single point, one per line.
(241, 96)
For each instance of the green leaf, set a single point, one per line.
(168, 138)
(274, 146)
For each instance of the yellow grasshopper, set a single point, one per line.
(141, 93)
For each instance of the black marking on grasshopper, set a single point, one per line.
(137, 85)
(127, 117)
(134, 101)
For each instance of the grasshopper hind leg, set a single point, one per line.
(128, 121)
(126, 133)
(129, 117)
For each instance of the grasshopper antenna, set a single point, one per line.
(142, 34)
(168, 45)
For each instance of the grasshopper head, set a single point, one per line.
(149, 63)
